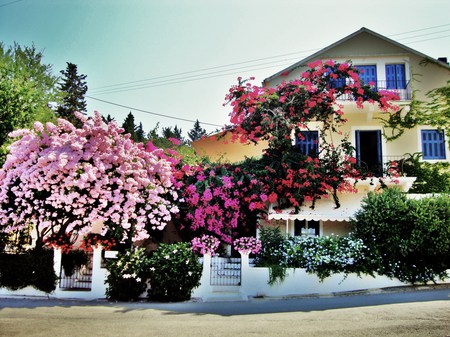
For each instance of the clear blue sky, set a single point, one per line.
(131, 42)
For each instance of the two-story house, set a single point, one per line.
(387, 65)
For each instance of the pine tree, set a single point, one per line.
(196, 132)
(108, 119)
(176, 133)
(129, 126)
(139, 134)
(74, 89)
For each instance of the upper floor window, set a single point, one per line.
(395, 76)
(308, 143)
(433, 144)
(368, 74)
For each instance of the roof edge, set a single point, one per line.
(313, 57)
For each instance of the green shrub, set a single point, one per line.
(175, 271)
(410, 239)
(322, 256)
(430, 177)
(128, 274)
(272, 253)
(33, 268)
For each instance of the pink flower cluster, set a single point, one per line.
(62, 180)
(206, 244)
(247, 245)
(218, 199)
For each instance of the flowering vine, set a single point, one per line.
(280, 113)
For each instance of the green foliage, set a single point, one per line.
(329, 255)
(272, 253)
(73, 87)
(129, 126)
(128, 274)
(176, 133)
(322, 256)
(73, 259)
(196, 132)
(435, 112)
(431, 177)
(33, 268)
(27, 86)
(175, 272)
(409, 239)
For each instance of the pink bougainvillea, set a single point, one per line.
(277, 114)
(62, 180)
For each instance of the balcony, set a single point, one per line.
(400, 88)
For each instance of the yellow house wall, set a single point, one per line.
(335, 228)
(226, 150)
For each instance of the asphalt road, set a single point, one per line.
(414, 312)
(258, 305)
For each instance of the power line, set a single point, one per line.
(419, 30)
(150, 112)
(10, 3)
(193, 77)
(206, 69)
(415, 36)
(117, 87)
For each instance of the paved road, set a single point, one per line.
(257, 306)
(388, 314)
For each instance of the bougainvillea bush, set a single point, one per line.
(62, 180)
(277, 114)
(205, 244)
(222, 200)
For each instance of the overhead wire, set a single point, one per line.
(151, 112)
(132, 85)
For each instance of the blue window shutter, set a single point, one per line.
(395, 76)
(368, 74)
(400, 76)
(358, 146)
(433, 144)
(310, 144)
(390, 76)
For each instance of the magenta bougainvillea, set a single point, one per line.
(278, 114)
(226, 200)
(62, 180)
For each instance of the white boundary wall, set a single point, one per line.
(98, 286)
(254, 282)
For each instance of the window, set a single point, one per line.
(308, 143)
(368, 74)
(433, 144)
(338, 82)
(369, 151)
(309, 228)
(395, 76)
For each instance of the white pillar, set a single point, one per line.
(98, 287)
(245, 266)
(205, 289)
(57, 256)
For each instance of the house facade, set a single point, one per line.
(386, 65)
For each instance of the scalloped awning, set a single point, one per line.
(325, 209)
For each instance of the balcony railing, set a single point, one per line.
(400, 88)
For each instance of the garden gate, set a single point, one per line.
(79, 277)
(225, 271)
